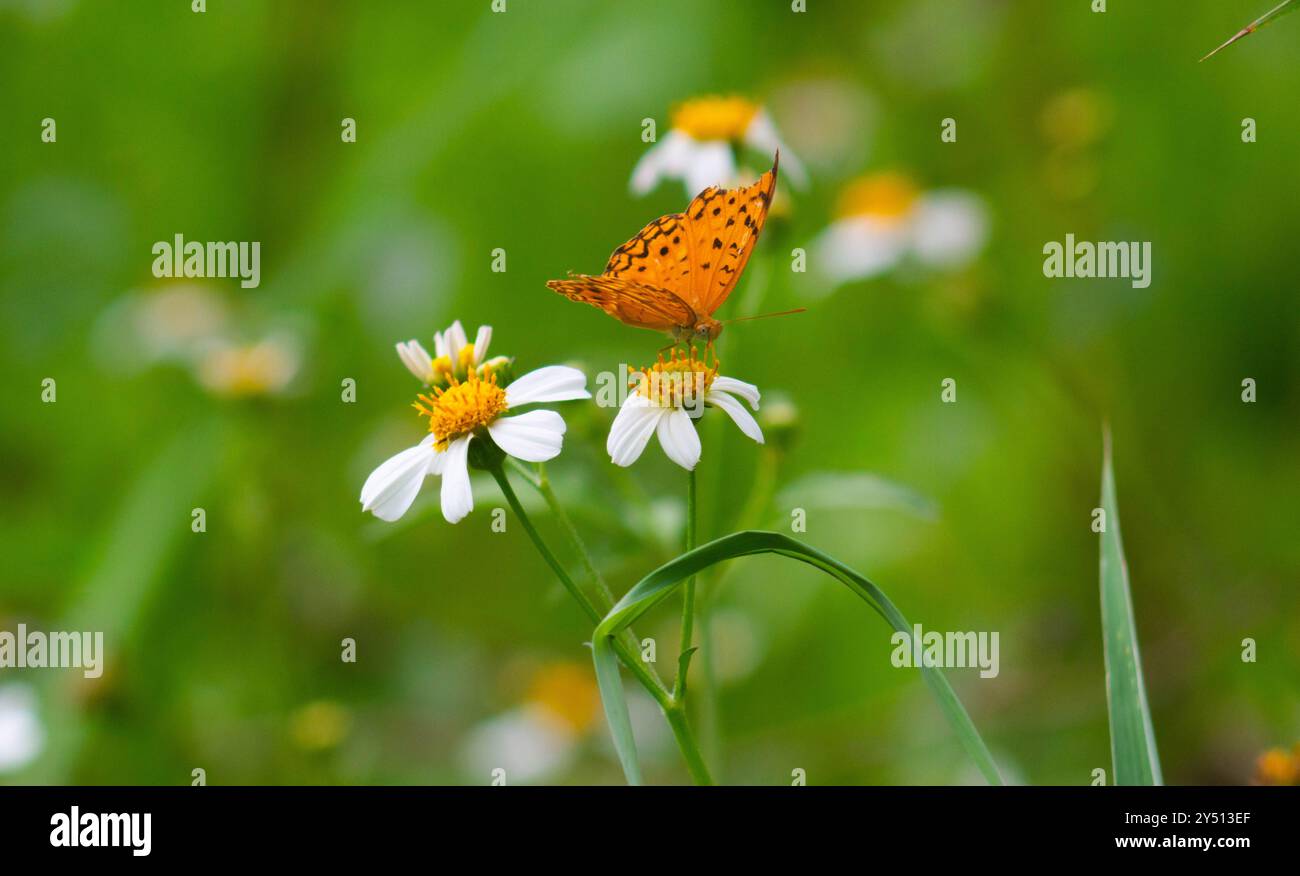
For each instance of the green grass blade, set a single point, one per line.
(662, 582)
(1132, 739)
(1264, 20)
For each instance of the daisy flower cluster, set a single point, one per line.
(470, 399)
(475, 413)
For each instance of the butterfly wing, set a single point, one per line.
(635, 304)
(680, 265)
(722, 226)
(659, 256)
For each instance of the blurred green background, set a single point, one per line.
(519, 130)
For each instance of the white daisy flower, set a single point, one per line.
(462, 411)
(454, 355)
(884, 219)
(700, 149)
(666, 398)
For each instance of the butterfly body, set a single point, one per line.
(680, 268)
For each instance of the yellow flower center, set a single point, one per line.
(676, 382)
(461, 407)
(442, 366)
(714, 118)
(888, 196)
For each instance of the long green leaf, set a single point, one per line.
(660, 584)
(1266, 19)
(1132, 739)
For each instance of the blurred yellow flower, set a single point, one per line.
(566, 691)
(232, 370)
(1277, 766)
(319, 725)
(715, 118)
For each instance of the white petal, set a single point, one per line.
(456, 340)
(666, 159)
(533, 437)
(481, 344)
(440, 345)
(393, 486)
(457, 497)
(762, 136)
(747, 391)
(631, 430)
(949, 229)
(416, 359)
(679, 439)
(742, 418)
(859, 247)
(713, 164)
(439, 462)
(552, 383)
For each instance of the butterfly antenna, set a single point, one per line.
(764, 315)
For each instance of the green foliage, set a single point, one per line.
(661, 583)
(1132, 738)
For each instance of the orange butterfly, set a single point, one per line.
(681, 267)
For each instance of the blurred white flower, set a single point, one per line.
(460, 411)
(700, 148)
(539, 738)
(884, 219)
(666, 397)
(21, 734)
(168, 324)
(527, 742)
(233, 370)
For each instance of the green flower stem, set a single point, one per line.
(630, 657)
(553, 502)
(686, 742)
(688, 598)
(672, 707)
(626, 646)
(604, 596)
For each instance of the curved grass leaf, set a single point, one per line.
(1264, 20)
(660, 584)
(1132, 738)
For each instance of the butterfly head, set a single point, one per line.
(706, 330)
